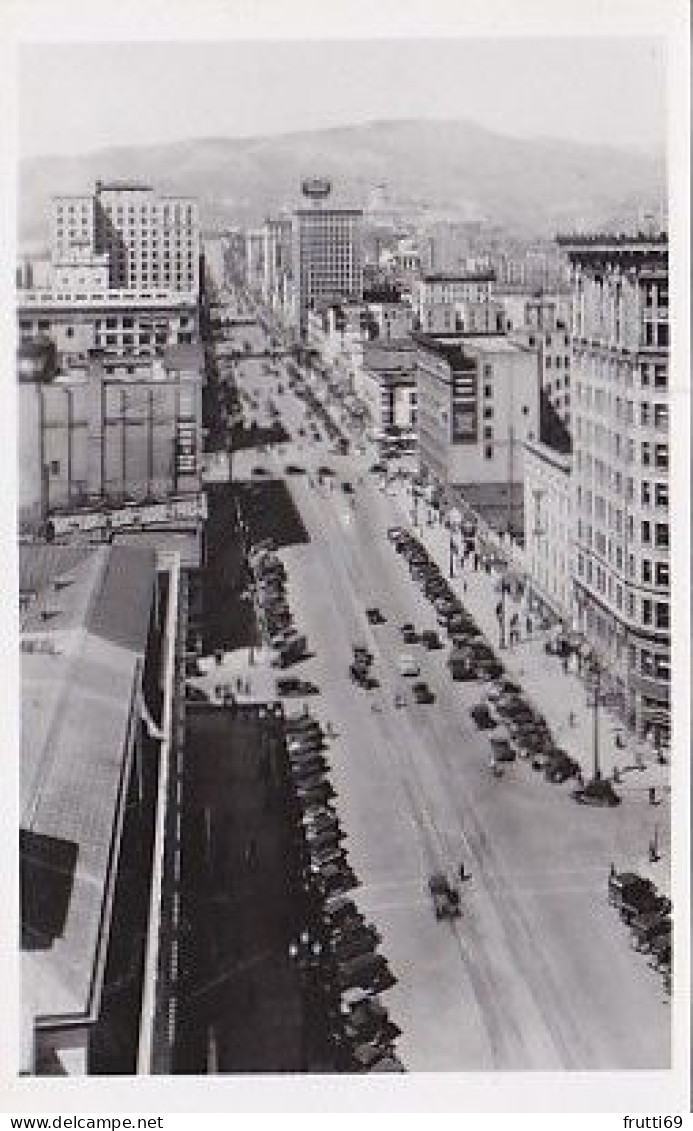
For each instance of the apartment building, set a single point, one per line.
(620, 385)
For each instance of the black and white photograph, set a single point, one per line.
(350, 424)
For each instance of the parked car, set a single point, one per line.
(502, 749)
(407, 665)
(409, 634)
(292, 686)
(430, 639)
(422, 693)
(483, 717)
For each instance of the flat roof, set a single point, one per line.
(83, 641)
(466, 277)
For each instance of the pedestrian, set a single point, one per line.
(529, 625)
(571, 718)
(239, 683)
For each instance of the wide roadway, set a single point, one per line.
(538, 973)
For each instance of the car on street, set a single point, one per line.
(502, 749)
(407, 665)
(347, 487)
(483, 717)
(294, 469)
(422, 692)
(293, 686)
(259, 472)
(446, 898)
(430, 639)
(375, 616)
(409, 634)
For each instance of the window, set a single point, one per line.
(488, 432)
(488, 452)
(646, 453)
(662, 535)
(647, 611)
(662, 667)
(55, 467)
(488, 390)
(646, 533)
(661, 415)
(645, 414)
(661, 495)
(662, 615)
(128, 323)
(646, 571)
(660, 376)
(646, 493)
(111, 323)
(662, 574)
(488, 413)
(70, 332)
(548, 362)
(662, 456)
(646, 662)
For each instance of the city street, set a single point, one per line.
(538, 973)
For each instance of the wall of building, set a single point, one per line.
(548, 525)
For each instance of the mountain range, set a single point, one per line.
(532, 188)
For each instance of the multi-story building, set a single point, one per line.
(254, 258)
(385, 382)
(478, 402)
(548, 536)
(276, 258)
(118, 324)
(327, 254)
(89, 439)
(620, 379)
(152, 241)
(541, 322)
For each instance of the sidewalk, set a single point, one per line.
(556, 693)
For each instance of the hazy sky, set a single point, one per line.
(75, 98)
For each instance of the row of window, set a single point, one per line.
(653, 613)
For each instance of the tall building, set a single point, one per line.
(478, 402)
(152, 241)
(620, 376)
(276, 257)
(327, 253)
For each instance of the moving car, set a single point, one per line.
(430, 639)
(292, 686)
(446, 898)
(483, 717)
(422, 693)
(375, 616)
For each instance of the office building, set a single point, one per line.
(276, 258)
(326, 252)
(620, 387)
(152, 241)
(478, 402)
(548, 535)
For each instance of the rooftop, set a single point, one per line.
(460, 277)
(83, 641)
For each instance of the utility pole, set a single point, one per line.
(595, 739)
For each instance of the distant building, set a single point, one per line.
(276, 258)
(542, 323)
(254, 258)
(620, 386)
(478, 402)
(385, 382)
(152, 241)
(327, 253)
(436, 297)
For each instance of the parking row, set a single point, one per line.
(517, 729)
(647, 913)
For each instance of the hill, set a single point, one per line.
(532, 187)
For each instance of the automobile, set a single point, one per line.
(430, 639)
(293, 686)
(259, 472)
(378, 468)
(422, 693)
(375, 616)
(560, 767)
(347, 488)
(394, 533)
(360, 674)
(325, 472)
(289, 652)
(407, 665)
(446, 898)
(483, 717)
(409, 634)
(294, 469)
(369, 970)
(597, 792)
(502, 749)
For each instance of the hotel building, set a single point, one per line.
(620, 379)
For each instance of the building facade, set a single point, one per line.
(548, 541)
(620, 377)
(92, 439)
(385, 382)
(152, 241)
(326, 252)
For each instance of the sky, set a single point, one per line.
(74, 98)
